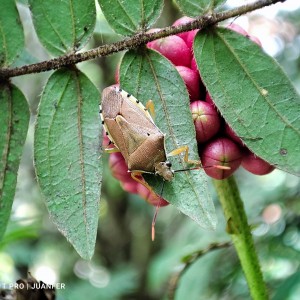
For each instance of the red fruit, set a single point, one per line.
(255, 40)
(192, 81)
(151, 197)
(151, 31)
(208, 99)
(194, 64)
(130, 186)
(105, 140)
(118, 167)
(190, 38)
(221, 152)
(238, 29)
(256, 165)
(230, 133)
(206, 119)
(174, 48)
(183, 21)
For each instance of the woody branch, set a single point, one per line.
(133, 42)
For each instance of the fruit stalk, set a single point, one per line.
(238, 228)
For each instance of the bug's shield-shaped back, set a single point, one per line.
(132, 130)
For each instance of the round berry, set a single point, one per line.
(130, 186)
(174, 48)
(183, 21)
(192, 81)
(237, 28)
(194, 64)
(255, 164)
(255, 40)
(206, 119)
(230, 133)
(152, 30)
(221, 152)
(118, 167)
(190, 38)
(151, 197)
(209, 99)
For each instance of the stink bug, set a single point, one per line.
(131, 129)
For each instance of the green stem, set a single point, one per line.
(237, 226)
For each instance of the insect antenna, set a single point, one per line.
(156, 212)
(203, 167)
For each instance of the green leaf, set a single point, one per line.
(130, 16)
(14, 119)
(288, 287)
(63, 26)
(194, 8)
(11, 33)
(253, 94)
(148, 75)
(67, 156)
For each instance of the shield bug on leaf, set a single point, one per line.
(130, 127)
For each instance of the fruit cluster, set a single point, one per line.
(218, 144)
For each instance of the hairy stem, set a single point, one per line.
(238, 228)
(133, 42)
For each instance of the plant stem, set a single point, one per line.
(133, 42)
(238, 228)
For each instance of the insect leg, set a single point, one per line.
(137, 176)
(195, 162)
(151, 108)
(111, 150)
(184, 149)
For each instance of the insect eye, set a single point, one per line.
(168, 164)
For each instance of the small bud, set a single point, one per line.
(206, 119)
(182, 21)
(192, 81)
(221, 152)
(151, 197)
(118, 167)
(255, 164)
(174, 48)
(233, 136)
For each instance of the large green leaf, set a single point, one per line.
(253, 94)
(14, 119)
(130, 16)
(62, 25)
(11, 33)
(148, 75)
(194, 8)
(67, 156)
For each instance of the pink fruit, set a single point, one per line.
(238, 29)
(192, 81)
(183, 21)
(255, 164)
(190, 38)
(230, 133)
(218, 153)
(208, 99)
(194, 64)
(255, 40)
(130, 186)
(151, 197)
(149, 45)
(174, 48)
(206, 119)
(118, 167)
